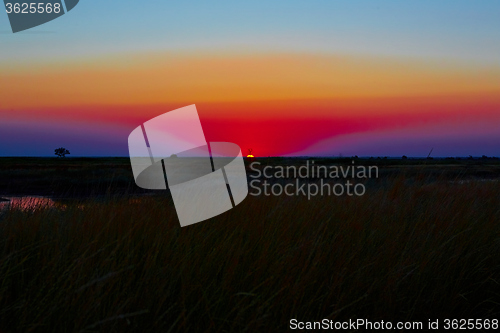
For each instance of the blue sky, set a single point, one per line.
(466, 30)
(98, 57)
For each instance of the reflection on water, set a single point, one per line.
(28, 203)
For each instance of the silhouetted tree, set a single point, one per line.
(61, 152)
(404, 157)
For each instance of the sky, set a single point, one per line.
(294, 78)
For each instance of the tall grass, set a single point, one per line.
(401, 252)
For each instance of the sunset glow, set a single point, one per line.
(301, 100)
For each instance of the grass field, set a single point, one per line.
(422, 243)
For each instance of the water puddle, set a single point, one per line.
(31, 203)
(28, 203)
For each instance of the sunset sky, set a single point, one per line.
(366, 78)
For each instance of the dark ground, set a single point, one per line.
(422, 243)
(88, 177)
